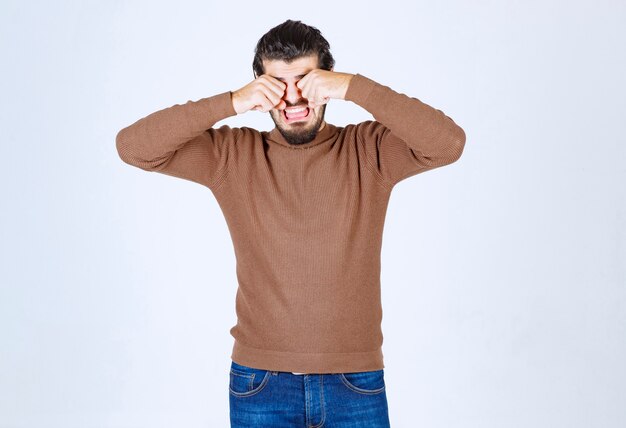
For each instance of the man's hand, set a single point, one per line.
(319, 86)
(263, 94)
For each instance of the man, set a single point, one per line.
(305, 205)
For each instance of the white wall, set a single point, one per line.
(503, 273)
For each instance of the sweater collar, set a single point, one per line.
(326, 134)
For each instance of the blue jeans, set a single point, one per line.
(264, 398)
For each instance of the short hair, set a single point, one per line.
(289, 41)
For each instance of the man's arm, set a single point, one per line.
(408, 136)
(180, 141)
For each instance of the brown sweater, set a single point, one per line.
(306, 221)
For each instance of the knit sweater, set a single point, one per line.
(306, 220)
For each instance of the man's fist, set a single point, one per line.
(263, 94)
(319, 86)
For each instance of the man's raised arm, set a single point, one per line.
(180, 141)
(408, 136)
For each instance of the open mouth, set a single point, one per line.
(296, 114)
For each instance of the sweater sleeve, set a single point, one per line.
(180, 140)
(407, 136)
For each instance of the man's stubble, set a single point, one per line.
(299, 132)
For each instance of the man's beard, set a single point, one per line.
(299, 134)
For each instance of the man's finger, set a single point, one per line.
(300, 84)
(275, 85)
(273, 97)
(305, 89)
(267, 105)
(281, 86)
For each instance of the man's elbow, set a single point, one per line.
(123, 148)
(458, 143)
(453, 148)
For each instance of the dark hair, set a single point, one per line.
(289, 41)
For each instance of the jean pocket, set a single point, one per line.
(372, 382)
(245, 381)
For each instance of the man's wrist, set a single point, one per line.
(360, 89)
(234, 100)
(348, 79)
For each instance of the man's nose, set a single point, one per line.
(292, 94)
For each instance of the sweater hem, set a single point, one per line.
(307, 362)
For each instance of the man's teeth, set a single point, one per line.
(295, 110)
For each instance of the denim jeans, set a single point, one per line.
(264, 398)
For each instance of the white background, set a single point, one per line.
(503, 274)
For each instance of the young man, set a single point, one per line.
(305, 205)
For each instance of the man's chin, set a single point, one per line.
(302, 131)
(296, 137)
(296, 128)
